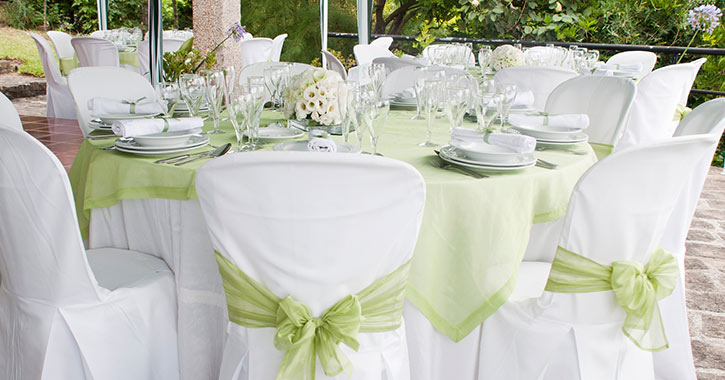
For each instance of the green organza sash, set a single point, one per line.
(376, 308)
(601, 150)
(636, 287)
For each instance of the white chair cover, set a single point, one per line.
(255, 50)
(655, 106)
(365, 54)
(169, 44)
(607, 101)
(676, 363)
(400, 80)
(277, 44)
(86, 83)
(538, 79)
(687, 86)
(382, 42)
(429, 54)
(334, 64)
(61, 44)
(393, 63)
(646, 58)
(314, 243)
(59, 103)
(618, 211)
(64, 315)
(93, 51)
(98, 34)
(8, 114)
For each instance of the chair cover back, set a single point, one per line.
(93, 51)
(399, 80)
(393, 63)
(382, 42)
(98, 34)
(687, 86)
(350, 220)
(170, 45)
(676, 362)
(334, 64)
(277, 44)
(607, 101)
(646, 58)
(61, 44)
(255, 50)
(86, 83)
(59, 103)
(618, 211)
(538, 79)
(365, 54)
(8, 114)
(655, 106)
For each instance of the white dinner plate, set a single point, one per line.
(273, 133)
(483, 152)
(301, 146)
(545, 132)
(111, 117)
(166, 139)
(573, 138)
(130, 145)
(520, 161)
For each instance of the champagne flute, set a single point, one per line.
(272, 77)
(378, 114)
(214, 94)
(192, 90)
(341, 99)
(230, 78)
(429, 100)
(236, 111)
(254, 103)
(418, 88)
(484, 59)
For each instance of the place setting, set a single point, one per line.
(496, 152)
(552, 130)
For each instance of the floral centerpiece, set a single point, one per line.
(506, 56)
(312, 96)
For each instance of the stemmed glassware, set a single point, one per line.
(375, 117)
(170, 94)
(254, 96)
(237, 115)
(345, 98)
(273, 77)
(456, 104)
(485, 103)
(214, 94)
(418, 88)
(484, 59)
(429, 99)
(507, 92)
(374, 77)
(230, 79)
(192, 88)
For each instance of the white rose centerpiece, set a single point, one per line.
(506, 56)
(312, 95)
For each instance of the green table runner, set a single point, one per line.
(474, 231)
(124, 58)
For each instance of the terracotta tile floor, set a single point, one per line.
(63, 137)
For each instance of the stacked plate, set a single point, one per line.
(301, 146)
(275, 133)
(160, 144)
(99, 125)
(486, 157)
(403, 100)
(182, 109)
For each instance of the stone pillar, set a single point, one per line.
(212, 19)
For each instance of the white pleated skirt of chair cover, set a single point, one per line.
(617, 214)
(59, 102)
(312, 251)
(68, 313)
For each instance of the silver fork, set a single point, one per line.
(438, 164)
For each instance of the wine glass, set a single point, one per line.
(254, 103)
(272, 77)
(484, 58)
(168, 92)
(485, 107)
(418, 88)
(192, 88)
(230, 78)
(345, 90)
(214, 94)
(237, 115)
(456, 105)
(429, 100)
(377, 116)
(507, 91)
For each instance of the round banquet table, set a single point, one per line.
(473, 237)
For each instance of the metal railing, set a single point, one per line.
(673, 51)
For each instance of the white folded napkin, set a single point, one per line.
(603, 72)
(524, 98)
(561, 122)
(105, 106)
(517, 143)
(319, 144)
(141, 127)
(632, 67)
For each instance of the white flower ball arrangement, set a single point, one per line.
(312, 95)
(506, 56)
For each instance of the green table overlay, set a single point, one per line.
(474, 231)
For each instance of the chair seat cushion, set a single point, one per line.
(120, 268)
(532, 280)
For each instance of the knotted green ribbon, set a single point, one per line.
(303, 337)
(680, 112)
(636, 287)
(132, 104)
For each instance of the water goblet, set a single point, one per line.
(377, 116)
(214, 94)
(253, 111)
(418, 88)
(237, 115)
(456, 105)
(507, 91)
(168, 92)
(192, 88)
(272, 77)
(429, 100)
(486, 111)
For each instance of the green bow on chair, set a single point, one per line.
(304, 338)
(636, 287)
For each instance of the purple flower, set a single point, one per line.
(237, 31)
(704, 18)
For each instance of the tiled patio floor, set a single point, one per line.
(705, 249)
